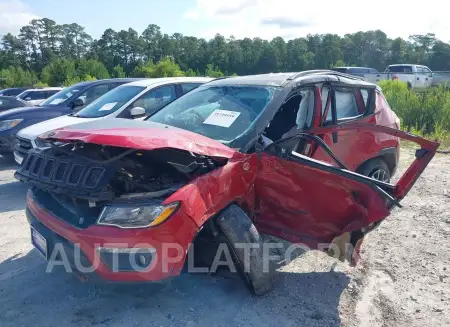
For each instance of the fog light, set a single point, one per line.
(127, 259)
(144, 260)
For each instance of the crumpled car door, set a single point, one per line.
(307, 201)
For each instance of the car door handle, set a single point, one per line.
(418, 78)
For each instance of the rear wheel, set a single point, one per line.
(376, 169)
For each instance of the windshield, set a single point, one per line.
(61, 96)
(110, 102)
(23, 95)
(219, 112)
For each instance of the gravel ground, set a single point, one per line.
(403, 278)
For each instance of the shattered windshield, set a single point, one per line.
(219, 112)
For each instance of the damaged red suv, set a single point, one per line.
(305, 157)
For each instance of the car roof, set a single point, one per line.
(284, 79)
(15, 88)
(108, 80)
(166, 80)
(351, 67)
(45, 89)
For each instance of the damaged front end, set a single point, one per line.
(85, 183)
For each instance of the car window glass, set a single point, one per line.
(111, 101)
(365, 96)
(93, 93)
(35, 95)
(61, 96)
(155, 99)
(186, 87)
(346, 105)
(51, 93)
(222, 113)
(400, 69)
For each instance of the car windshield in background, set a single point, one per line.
(400, 69)
(110, 102)
(61, 96)
(340, 70)
(222, 113)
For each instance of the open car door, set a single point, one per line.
(322, 206)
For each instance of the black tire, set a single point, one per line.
(377, 169)
(238, 228)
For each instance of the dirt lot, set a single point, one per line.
(402, 280)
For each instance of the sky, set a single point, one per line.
(240, 18)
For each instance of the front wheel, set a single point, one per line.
(376, 169)
(254, 266)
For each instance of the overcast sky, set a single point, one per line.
(241, 18)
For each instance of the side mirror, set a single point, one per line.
(78, 103)
(27, 99)
(137, 112)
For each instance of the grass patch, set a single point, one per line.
(426, 114)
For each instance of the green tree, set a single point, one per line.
(164, 68)
(93, 68)
(58, 71)
(16, 76)
(212, 71)
(118, 72)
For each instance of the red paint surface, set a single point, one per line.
(145, 139)
(177, 230)
(284, 198)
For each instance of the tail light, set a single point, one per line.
(395, 77)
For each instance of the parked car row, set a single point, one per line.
(197, 162)
(416, 77)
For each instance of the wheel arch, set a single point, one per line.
(388, 155)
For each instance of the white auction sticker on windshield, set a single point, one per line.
(57, 101)
(107, 106)
(222, 118)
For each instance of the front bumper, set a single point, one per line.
(21, 148)
(167, 243)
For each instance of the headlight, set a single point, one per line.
(128, 216)
(8, 124)
(42, 144)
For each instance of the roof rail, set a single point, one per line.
(324, 71)
(221, 77)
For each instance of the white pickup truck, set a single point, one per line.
(417, 77)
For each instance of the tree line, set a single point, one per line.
(46, 53)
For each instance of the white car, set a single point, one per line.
(35, 97)
(136, 100)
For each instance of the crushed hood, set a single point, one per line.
(140, 135)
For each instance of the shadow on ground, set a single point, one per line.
(30, 296)
(12, 196)
(7, 163)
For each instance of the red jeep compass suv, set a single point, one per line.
(291, 155)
